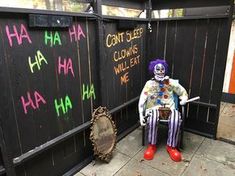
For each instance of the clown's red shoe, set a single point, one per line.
(174, 153)
(150, 151)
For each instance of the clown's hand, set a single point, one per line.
(183, 100)
(142, 120)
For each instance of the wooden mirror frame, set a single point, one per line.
(103, 134)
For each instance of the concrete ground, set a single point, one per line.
(201, 157)
(226, 123)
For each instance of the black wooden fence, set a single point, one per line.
(48, 88)
(52, 78)
(50, 84)
(196, 51)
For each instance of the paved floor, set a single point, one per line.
(201, 157)
(226, 124)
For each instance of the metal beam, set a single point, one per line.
(108, 18)
(203, 12)
(191, 18)
(137, 4)
(173, 4)
(46, 12)
(207, 11)
(100, 49)
(85, 1)
(204, 104)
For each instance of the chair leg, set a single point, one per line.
(143, 136)
(181, 137)
(180, 140)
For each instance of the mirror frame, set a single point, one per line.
(102, 112)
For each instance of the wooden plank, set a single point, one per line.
(205, 91)
(6, 164)
(85, 73)
(99, 50)
(117, 118)
(64, 156)
(8, 116)
(41, 165)
(20, 171)
(218, 63)
(95, 61)
(182, 61)
(93, 64)
(137, 70)
(52, 86)
(197, 65)
(170, 46)
(184, 52)
(221, 56)
(67, 73)
(106, 66)
(84, 148)
(33, 124)
(201, 127)
(153, 41)
(133, 114)
(126, 118)
(161, 39)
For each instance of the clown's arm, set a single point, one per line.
(180, 91)
(142, 102)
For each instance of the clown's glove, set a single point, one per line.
(188, 100)
(183, 101)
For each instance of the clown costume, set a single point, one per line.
(159, 92)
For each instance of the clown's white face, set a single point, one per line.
(159, 71)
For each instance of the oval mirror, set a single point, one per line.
(103, 134)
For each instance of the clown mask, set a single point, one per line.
(159, 72)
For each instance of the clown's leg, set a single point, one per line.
(173, 133)
(152, 134)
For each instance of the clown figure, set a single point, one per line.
(157, 93)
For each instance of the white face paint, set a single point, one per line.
(159, 71)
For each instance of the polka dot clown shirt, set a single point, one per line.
(160, 93)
